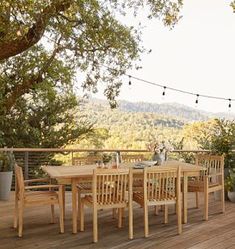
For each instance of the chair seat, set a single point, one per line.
(139, 198)
(41, 196)
(89, 200)
(198, 186)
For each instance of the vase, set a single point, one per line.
(159, 157)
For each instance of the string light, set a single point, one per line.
(129, 80)
(177, 90)
(182, 91)
(164, 91)
(170, 88)
(229, 104)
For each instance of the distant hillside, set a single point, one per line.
(183, 112)
(168, 109)
(133, 125)
(130, 127)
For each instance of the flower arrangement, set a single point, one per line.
(160, 150)
(161, 147)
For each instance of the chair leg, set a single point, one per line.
(95, 225)
(53, 214)
(81, 215)
(16, 212)
(114, 212)
(179, 216)
(64, 202)
(206, 200)
(197, 199)
(166, 214)
(20, 215)
(130, 210)
(61, 207)
(146, 225)
(156, 211)
(120, 211)
(79, 204)
(222, 201)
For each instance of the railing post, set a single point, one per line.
(72, 158)
(26, 165)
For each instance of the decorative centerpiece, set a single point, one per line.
(160, 151)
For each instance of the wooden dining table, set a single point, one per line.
(73, 174)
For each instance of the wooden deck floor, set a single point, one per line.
(218, 232)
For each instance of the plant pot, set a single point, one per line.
(231, 196)
(5, 185)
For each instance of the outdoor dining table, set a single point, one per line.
(74, 173)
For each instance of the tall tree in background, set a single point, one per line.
(42, 46)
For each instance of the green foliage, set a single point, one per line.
(223, 140)
(230, 181)
(133, 130)
(45, 116)
(7, 161)
(217, 135)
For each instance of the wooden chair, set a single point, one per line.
(109, 188)
(24, 198)
(211, 180)
(161, 187)
(137, 182)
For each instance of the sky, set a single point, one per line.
(197, 55)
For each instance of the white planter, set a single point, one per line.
(5, 185)
(231, 196)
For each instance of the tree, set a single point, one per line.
(217, 135)
(84, 35)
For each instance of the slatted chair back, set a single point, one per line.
(86, 160)
(110, 186)
(132, 158)
(214, 165)
(19, 181)
(161, 185)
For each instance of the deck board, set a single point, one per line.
(217, 233)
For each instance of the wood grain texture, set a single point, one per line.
(217, 233)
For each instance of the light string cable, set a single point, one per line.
(164, 87)
(182, 91)
(197, 95)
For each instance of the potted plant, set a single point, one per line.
(7, 162)
(230, 185)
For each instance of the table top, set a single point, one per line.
(87, 170)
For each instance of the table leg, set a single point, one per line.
(185, 199)
(74, 205)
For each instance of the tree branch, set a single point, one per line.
(9, 48)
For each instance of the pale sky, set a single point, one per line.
(197, 55)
